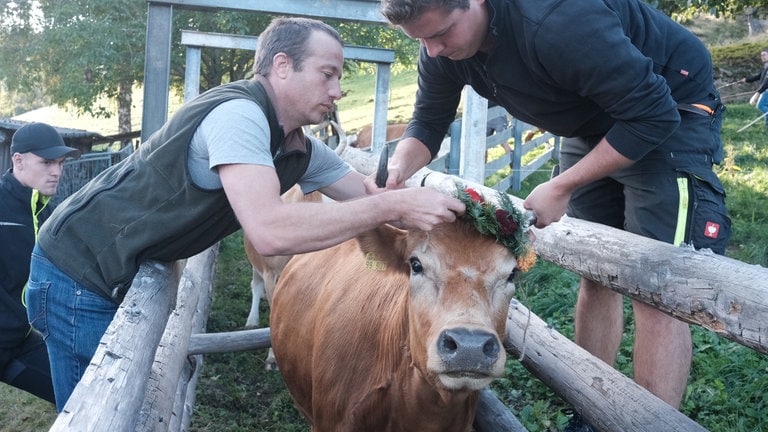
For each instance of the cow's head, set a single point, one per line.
(461, 283)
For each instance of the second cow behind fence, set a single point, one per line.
(364, 136)
(266, 270)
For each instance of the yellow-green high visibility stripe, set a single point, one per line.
(682, 211)
(38, 203)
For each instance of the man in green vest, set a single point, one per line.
(218, 165)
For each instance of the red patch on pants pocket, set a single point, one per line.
(711, 229)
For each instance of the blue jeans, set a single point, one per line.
(71, 319)
(762, 104)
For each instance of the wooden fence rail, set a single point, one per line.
(608, 399)
(115, 382)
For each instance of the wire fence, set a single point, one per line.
(77, 172)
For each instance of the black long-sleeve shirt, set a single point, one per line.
(762, 76)
(616, 68)
(17, 237)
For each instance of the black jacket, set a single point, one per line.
(17, 238)
(614, 68)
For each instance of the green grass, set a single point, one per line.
(22, 412)
(356, 107)
(745, 176)
(235, 392)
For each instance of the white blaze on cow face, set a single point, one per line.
(460, 294)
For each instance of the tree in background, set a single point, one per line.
(727, 8)
(218, 66)
(752, 10)
(90, 53)
(77, 52)
(85, 52)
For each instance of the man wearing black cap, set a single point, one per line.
(38, 153)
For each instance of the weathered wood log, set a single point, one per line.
(185, 399)
(362, 161)
(185, 394)
(115, 382)
(493, 416)
(721, 294)
(607, 398)
(165, 377)
(242, 340)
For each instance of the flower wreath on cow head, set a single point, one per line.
(502, 221)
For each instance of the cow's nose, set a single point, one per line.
(464, 350)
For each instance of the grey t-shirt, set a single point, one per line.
(237, 131)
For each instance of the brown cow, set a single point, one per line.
(395, 330)
(266, 270)
(364, 136)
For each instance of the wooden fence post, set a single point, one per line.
(172, 368)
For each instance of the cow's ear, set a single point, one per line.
(385, 246)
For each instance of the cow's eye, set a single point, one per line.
(416, 265)
(513, 276)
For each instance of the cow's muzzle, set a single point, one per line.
(468, 352)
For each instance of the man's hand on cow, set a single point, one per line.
(547, 202)
(424, 208)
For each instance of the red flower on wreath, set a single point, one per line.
(508, 226)
(476, 197)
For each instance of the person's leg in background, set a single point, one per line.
(677, 200)
(662, 353)
(599, 311)
(762, 105)
(29, 369)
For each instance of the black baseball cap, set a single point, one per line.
(42, 140)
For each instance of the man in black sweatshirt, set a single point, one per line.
(631, 91)
(37, 154)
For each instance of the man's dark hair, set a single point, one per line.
(404, 11)
(289, 36)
